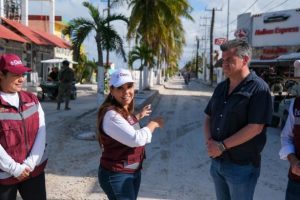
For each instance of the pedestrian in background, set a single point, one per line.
(66, 77)
(235, 125)
(122, 139)
(290, 147)
(22, 135)
(53, 75)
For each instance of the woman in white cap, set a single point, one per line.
(122, 139)
(22, 135)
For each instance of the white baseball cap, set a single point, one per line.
(120, 77)
(297, 63)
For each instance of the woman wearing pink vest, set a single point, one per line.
(22, 135)
(290, 147)
(122, 140)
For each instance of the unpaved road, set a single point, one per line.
(177, 166)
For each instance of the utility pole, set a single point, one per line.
(204, 42)
(227, 35)
(107, 50)
(197, 60)
(211, 70)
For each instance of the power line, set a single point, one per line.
(278, 5)
(266, 10)
(244, 11)
(268, 4)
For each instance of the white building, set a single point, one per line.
(271, 34)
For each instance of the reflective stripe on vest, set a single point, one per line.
(5, 175)
(296, 139)
(16, 116)
(132, 166)
(119, 157)
(25, 120)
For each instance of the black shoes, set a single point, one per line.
(67, 108)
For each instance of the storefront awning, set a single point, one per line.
(263, 62)
(290, 56)
(57, 60)
(27, 32)
(9, 35)
(283, 60)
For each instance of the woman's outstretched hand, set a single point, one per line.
(146, 111)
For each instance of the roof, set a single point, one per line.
(28, 33)
(38, 37)
(9, 35)
(263, 62)
(59, 42)
(290, 56)
(283, 60)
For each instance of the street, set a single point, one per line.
(177, 165)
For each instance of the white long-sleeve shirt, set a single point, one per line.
(287, 135)
(119, 129)
(9, 165)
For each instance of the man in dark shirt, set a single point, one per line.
(235, 124)
(53, 76)
(66, 77)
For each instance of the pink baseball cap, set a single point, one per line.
(13, 64)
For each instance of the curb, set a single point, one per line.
(147, 100)
(90, 111)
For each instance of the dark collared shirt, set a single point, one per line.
(249, 103)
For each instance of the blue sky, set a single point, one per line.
(69, 9)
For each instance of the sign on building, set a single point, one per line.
(220, 41)
(281, 28)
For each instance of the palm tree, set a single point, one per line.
(105, 35)
(145, 55)
(159, 25)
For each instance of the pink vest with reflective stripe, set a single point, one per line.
(18, 131)
(119, 157)
(296, 132)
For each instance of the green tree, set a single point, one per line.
(145, 55)
(191, 64)
(158, 24)
(106, 36)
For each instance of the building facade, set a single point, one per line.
(271, 34)
(275, 38)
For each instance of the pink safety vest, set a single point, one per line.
(119, 157)
(18, 131)
(296, 132)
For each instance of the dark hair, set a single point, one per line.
(242, 47)
(111, 103)
(65, 63)
(4, 72)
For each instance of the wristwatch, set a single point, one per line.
(221, 146)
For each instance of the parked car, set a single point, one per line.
(50, 90)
